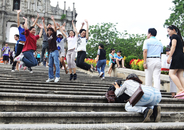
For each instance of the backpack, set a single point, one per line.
(111, 97)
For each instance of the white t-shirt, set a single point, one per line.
(72, 42)
(81, 44)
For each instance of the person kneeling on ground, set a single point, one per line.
(147, 105)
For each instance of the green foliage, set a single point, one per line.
(164, 50)
(176, 17)
(128, 59)
(63, 16)
(107, 34)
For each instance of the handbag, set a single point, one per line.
(136, 96)
(111, 97)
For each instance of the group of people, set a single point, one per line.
(26, 46)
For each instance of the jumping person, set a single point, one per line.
(81, 49)
(177, 56)
(60, 43)
(30, 46)
(72, 45)
(101, 61)
(54, 54)
(22, 39)
(6, 53)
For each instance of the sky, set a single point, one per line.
(135, 16)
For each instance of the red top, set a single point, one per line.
(31, 40)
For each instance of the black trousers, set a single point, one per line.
(81, 55)
(19, 50)
(45, 46)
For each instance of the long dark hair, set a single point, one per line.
(172, 27)
(133, 77)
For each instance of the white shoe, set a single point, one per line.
(19, 57)
(57, 80)
(101, 74)
(103, 78)
(13, 71)
(21, 65)
(49, 80)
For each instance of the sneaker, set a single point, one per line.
(19, 57)
(30, 70)
(91, 70)
(103, 78)
(21, 65)
(74, 76)
(156, 113)
(101, 74)
(49, 80)
(12, 71)
(57, 80)
(71, 76)
(147, 113)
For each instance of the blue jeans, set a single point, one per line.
(101, 64)
(150, 98)
(54, 59)
(29, 59)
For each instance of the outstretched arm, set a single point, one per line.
(25, 25)
(35, 21)
(87, 30)
(18, 20)
(55, 27)
(62, 29)
(75, 29)
(41, 30)
(81, 27)
(44, 26)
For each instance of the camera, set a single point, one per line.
(119, 82)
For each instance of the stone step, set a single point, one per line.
(113, 126)
(67, 98)
(28, 106)
(82, 117)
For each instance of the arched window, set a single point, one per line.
(13, 31)
(16, 4)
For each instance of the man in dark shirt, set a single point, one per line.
(54, 54)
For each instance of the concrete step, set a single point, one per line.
(67, 98)
(113, 126)
(82, 117)
(29, 106)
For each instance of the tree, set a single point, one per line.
(107, 35)
(177, 16)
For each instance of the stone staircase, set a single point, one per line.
(28, 102)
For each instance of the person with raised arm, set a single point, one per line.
(22, 39)
(72, 45)
(30, 46)
(54, 54)
(81, 48)
(60, 43)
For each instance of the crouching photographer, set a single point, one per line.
(143, 99)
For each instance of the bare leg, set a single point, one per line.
(181, 78)
(117, 61)
(175, 79)
(63, 63)
(173, 94)
(70, 71)
(74, 70)
(123, 63)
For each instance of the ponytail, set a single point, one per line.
(178, 32)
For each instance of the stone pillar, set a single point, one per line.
(65, 7)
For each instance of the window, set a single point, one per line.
(16, 4)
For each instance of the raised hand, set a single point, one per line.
(58, 24)
(40, 26)
(83, 24)
(18, 11)
(38, 16)
(43, 19)
(86, 20)
(24, 18)
(52, 17)
(72, 21)
(64, 24)
(32, 19)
